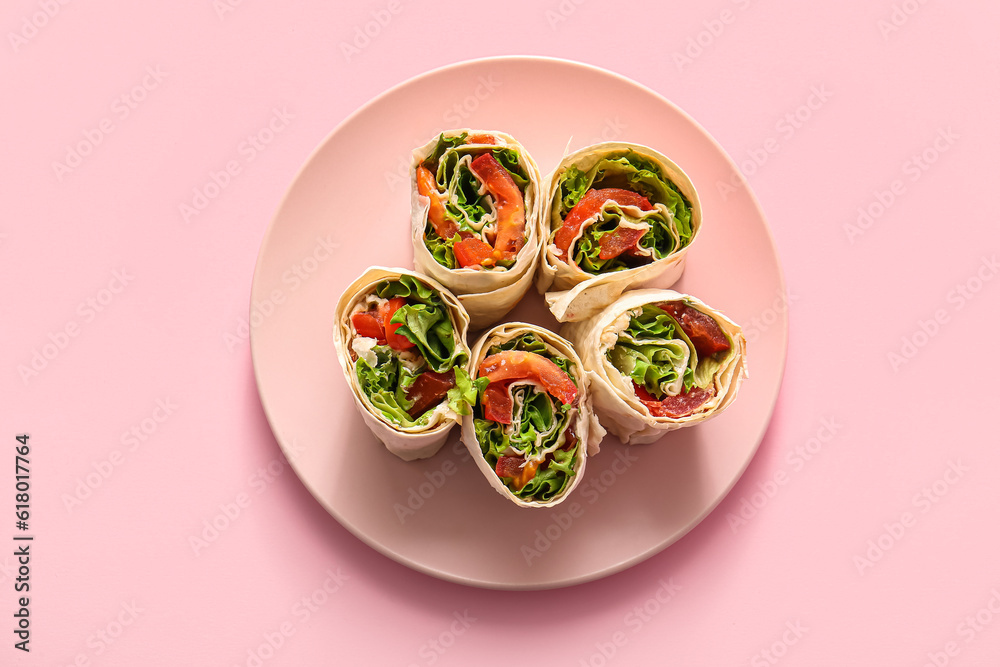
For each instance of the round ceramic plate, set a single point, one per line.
(349, 208)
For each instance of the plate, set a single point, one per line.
(348, 208)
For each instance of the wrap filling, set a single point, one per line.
(671, 353)
(407, 357)
(476, 189)
(622, 213)
(525, 418)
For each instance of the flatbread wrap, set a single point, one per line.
(615, 216)
(659, 360)
(533, 427)
(401, 341)
(475, 219)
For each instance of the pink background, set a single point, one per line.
(864, 531)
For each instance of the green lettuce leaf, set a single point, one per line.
(385, 385)
(654, 365)
(549, 482)
(426, 323)
(654, 322)
(430, 329)
(442, 145)
(467, 197)
(707, 368)
(651, 352)
(572, 186)
(510, 160)
(492, 440)
(533, 416)
(463, 395)
(408, 287)
(442, 250)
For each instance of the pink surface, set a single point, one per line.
(863, 532)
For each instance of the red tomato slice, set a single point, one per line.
(481, 139)
(368, 325)
(641, 393)
(514, 466)
(428, 389)
(497, 404)
(427, 186)
(618, 241)
(704, 332)
(474, 252)
(674, 406)
(509, 203)
(386, 311)
(516, 365)
(588, 205)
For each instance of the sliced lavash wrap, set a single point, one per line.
(384, 380)
(578, 284)
(564, 434)
(487, 292)
(629, 344)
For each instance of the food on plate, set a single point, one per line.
(401, 340)
(475, 198)
(659, 360)
(615, 215)
(533, 426)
